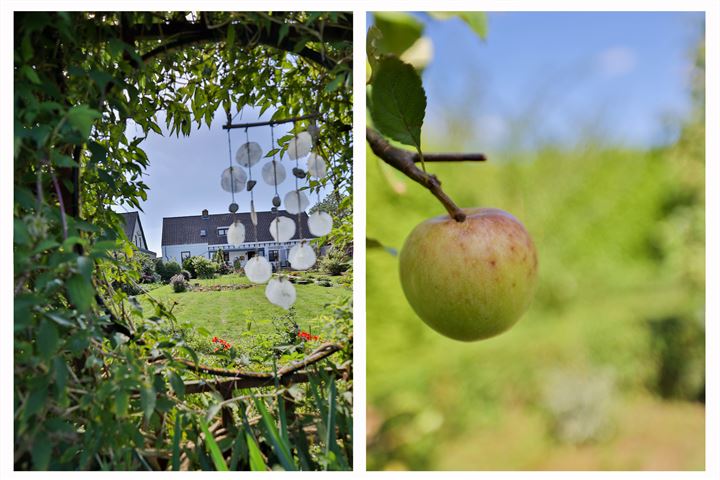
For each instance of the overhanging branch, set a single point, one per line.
(179, 34)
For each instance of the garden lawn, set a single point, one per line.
(233, 314)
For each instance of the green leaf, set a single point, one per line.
(284, 29)
(41, 451)
(85, 267)
(82, 117)
(257, 463)
(281, 448)
(213, 448)
(47, 339)
(80, 291)
(177, 436)
(335, 83)
(147, 400)
(177, 384)
(397, 101)
(122, 400)
(230, 37)
(20, 232)
(30, 74)
(61, 373)
(36, 400)
(477, 21)
(399, 31)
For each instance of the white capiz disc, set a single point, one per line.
(320, 223)
(248, 154)
(258, 269)
(236, 233)
(282, 229)
(273, 173)
(233, 179)
(302, 257)
(299, 145)
(280, 292)
(316, 166)
(296, 201)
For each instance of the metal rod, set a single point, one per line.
(271, 122)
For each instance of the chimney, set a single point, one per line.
(205, 213)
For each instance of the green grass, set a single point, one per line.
(239, 315)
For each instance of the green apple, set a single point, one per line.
(469, 280)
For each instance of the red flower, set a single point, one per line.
(222, 342)
(306, 336)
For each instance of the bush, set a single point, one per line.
(200, 267)
(179, 284)
(186, 274)
(334, 263)
(167, 270)
(223, 268)
(237, 265)
(146, 266)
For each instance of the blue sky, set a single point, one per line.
(561, 77)
(539, 78)
(184, 173)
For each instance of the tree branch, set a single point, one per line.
(404, 160)
(180, 33)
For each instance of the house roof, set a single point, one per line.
(130, 219)
(186, 230)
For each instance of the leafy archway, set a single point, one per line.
(93, 387)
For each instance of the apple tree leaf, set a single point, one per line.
(477, 21)
(399, 31)
(397, 101)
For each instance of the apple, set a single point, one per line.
(469, 280)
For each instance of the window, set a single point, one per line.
(184, 255)
(203, 232)
(222, 231)
(273, 254)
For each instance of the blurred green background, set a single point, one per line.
(606, 369)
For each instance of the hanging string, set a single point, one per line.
(297, 186)
(252, 194)
(232, 177)
(277, 209)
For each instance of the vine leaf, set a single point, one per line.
(81, 117)
(397, 101)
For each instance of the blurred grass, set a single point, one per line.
(620, 237)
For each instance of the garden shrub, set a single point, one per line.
(237, 265)
(179, 284)
(167, 270)
(223, 268)
(186, 274)
(334, 263)
(146, 266)
(201, 267)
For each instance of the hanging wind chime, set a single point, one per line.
(279, 291)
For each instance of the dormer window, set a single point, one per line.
(203, 232)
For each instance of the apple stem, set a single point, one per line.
(404, 161)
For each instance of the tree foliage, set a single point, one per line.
(96, 387)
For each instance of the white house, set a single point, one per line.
(134, 232)
(202, 235)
